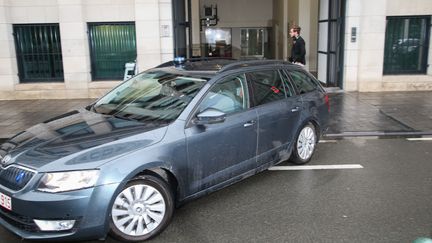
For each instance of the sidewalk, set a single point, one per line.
(18, 115)
(383, 113)
(352, 113)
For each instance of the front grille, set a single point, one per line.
(15, 178)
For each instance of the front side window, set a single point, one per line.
(154, 96)
(112, 45)
(38, 51)
(229, 96)
(303, 82)
(406, 45)
(267, 86)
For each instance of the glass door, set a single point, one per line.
(330, 42)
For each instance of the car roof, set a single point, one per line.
(218, 65)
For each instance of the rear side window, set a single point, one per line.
(303, 82)
(267, 86)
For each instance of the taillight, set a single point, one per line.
(326, 99)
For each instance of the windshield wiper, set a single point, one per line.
(123, 117)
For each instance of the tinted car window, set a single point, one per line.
(229, 96)
(267, 86)
(289, 89)
(303, 82)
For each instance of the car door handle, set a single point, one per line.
(295, 109)
(249, 123)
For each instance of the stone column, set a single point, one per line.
(196, 34)
(166, 35)
(280, 28)
(308, 21)
(351, 52)
(75, 48)
(429, 69)
(8, 63)
(371, 36)
(153, 23)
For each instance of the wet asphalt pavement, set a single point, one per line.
(389, 200)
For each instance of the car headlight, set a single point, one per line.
(68, 181)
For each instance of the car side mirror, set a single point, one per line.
(210, 116)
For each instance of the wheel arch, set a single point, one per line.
(317, 126)
(165, 174)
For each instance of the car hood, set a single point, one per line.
(79, 139)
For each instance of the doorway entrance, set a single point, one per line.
(259, 30)
(331, 42)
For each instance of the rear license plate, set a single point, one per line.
(5, 201)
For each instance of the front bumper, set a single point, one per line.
(89, 207)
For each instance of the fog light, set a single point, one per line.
(54, 225)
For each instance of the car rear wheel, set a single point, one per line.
(142, 209)
(304, 146)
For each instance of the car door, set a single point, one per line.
(313, 96)
(278, 114)
(221, 151)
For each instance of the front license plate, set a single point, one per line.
(5, 201)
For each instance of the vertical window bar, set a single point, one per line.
(39, 68)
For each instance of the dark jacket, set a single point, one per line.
(298, 51)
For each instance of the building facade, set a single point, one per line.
(392, 51)
(64, 49)
(55, 49)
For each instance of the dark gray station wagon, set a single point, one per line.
(167, 135)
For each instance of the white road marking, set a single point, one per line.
(327, 141)
(420, 139)
(318, 167)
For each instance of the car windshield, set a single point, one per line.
(154, 96)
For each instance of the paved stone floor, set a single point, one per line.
(389, 112)
(350, 112)
(18, 115)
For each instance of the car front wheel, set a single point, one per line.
(142, 209)
(304, 146)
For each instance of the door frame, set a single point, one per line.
(340, 7)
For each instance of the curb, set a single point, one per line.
(333, 90)
(379, 134)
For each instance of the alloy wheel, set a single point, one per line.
(138, 210)
(306, 143)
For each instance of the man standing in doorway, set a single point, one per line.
(298, 51)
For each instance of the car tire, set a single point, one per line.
(304, 145)
(142, 209)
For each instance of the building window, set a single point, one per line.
(406, 45)
(112, 45)
(217, 42)
(38, 52)
(252, 43)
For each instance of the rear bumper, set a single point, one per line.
(89, 207)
